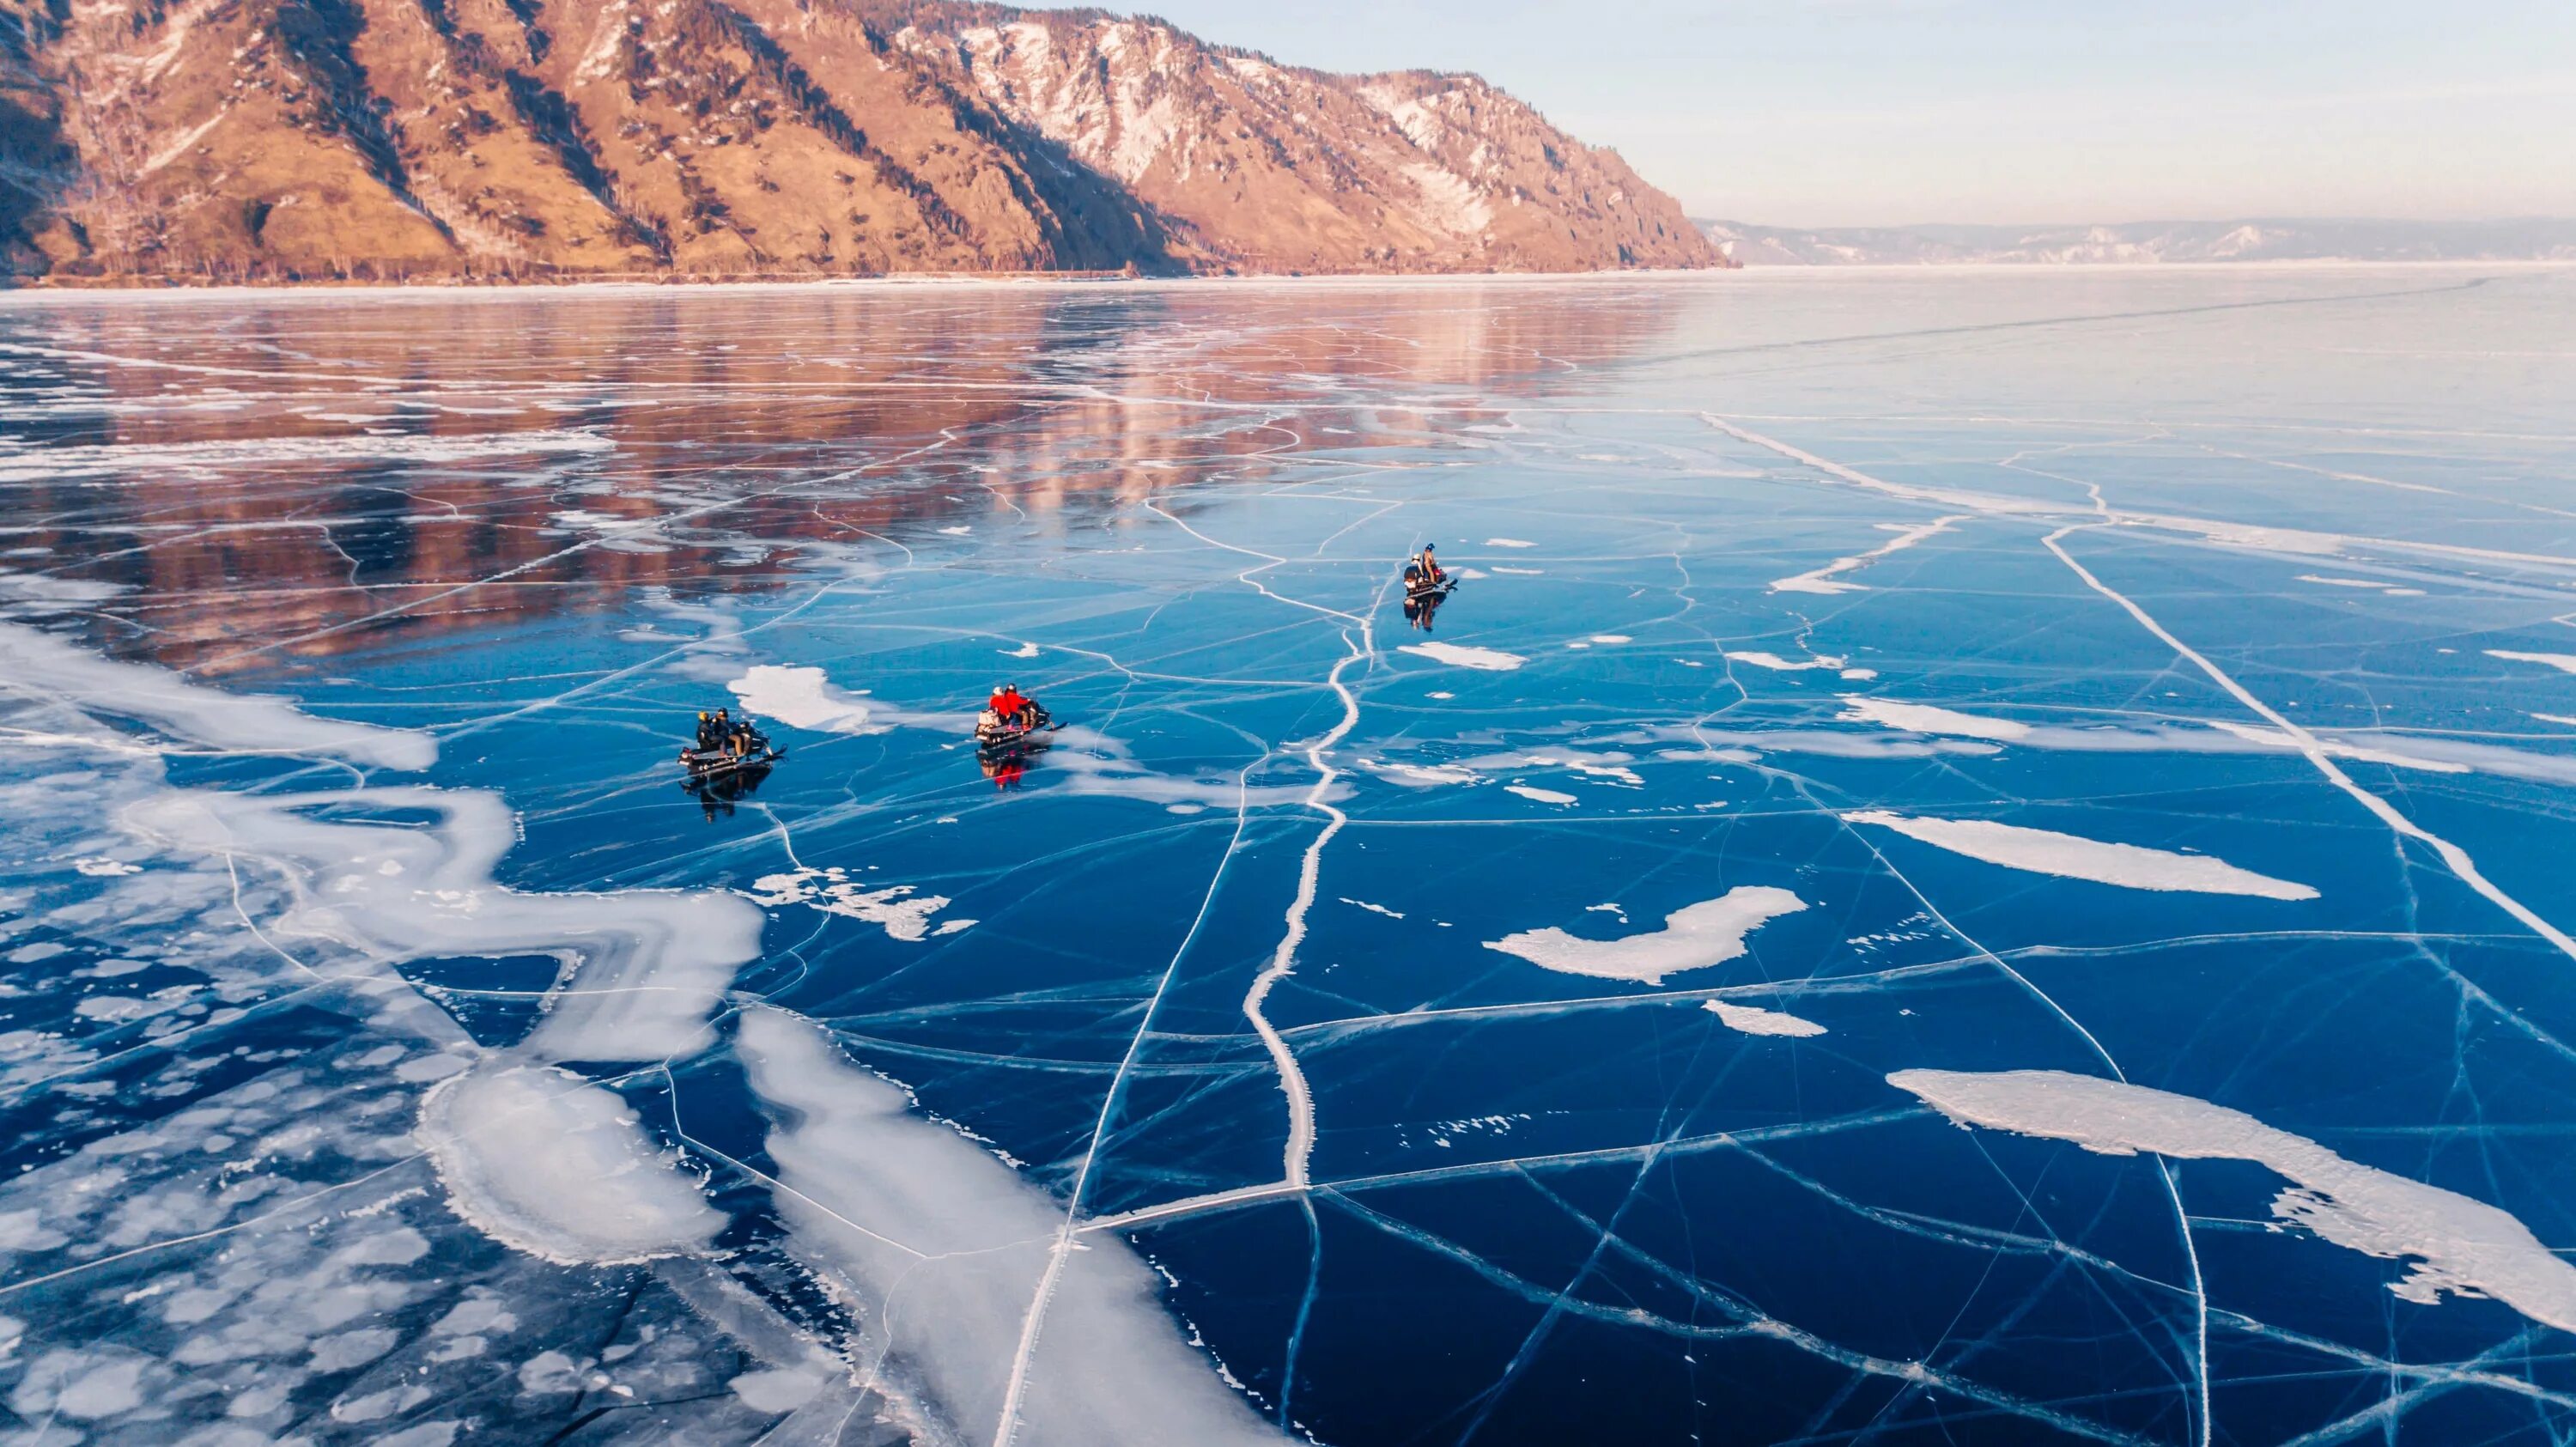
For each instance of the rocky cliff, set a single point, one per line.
(308, 139)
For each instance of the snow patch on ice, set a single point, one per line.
(2454, 1243)
(1826, 579)
(547, 1162)
(1753, 1020)
(2563, 662)
(800, 698)
(1544, 796)
(1924, 718)
(109, 459)
(2337, 748)
(1693, 938)
(1490, 659)
(238, 722)
(945, 1246)
(904, 913)
(1778, 664)
(1509, 543)
(2043, 851)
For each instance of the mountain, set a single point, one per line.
(438, 139)
(2530, 239)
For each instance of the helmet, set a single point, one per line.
(702, 715)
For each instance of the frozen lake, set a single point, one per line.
(1977, 857)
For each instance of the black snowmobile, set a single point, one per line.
(718, 758)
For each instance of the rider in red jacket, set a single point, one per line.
(1008, 702)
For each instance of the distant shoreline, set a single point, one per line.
(57, 294)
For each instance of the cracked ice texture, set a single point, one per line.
(1191, 505)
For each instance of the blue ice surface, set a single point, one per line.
(1539, 1207)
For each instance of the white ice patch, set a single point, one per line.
(800, 698)
(1509, 543)
(1491, 659)
(2563, 662)
(946, 1247)
(243, 722)
(1373, 908)
(155, 459)
(1025, 650)
(1754, 1021)
(2455, 1243)
(651, 963)
(1693, 938)
(2042, 851)
(1544, 796)
(2337, 748)
(1612, 638)
(101, 868)
(1422, 776)
(1826, 579)
(2371, 583)
(904, 913)
(1923, 718)
(1778, 664)
(558, 1167)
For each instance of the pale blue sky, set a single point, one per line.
(1868, 112)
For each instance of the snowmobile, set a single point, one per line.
(1421, 587)
(757, 753)
(1025, 730)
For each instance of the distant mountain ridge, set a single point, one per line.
(443, 139)
(2525, 239)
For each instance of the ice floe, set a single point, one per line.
(1753, 1020)
(1693, 938)
(1544, 796)
(2453, 1243)
(1462, 656)
(2043, 851)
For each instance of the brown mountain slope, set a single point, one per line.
(285, 139)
